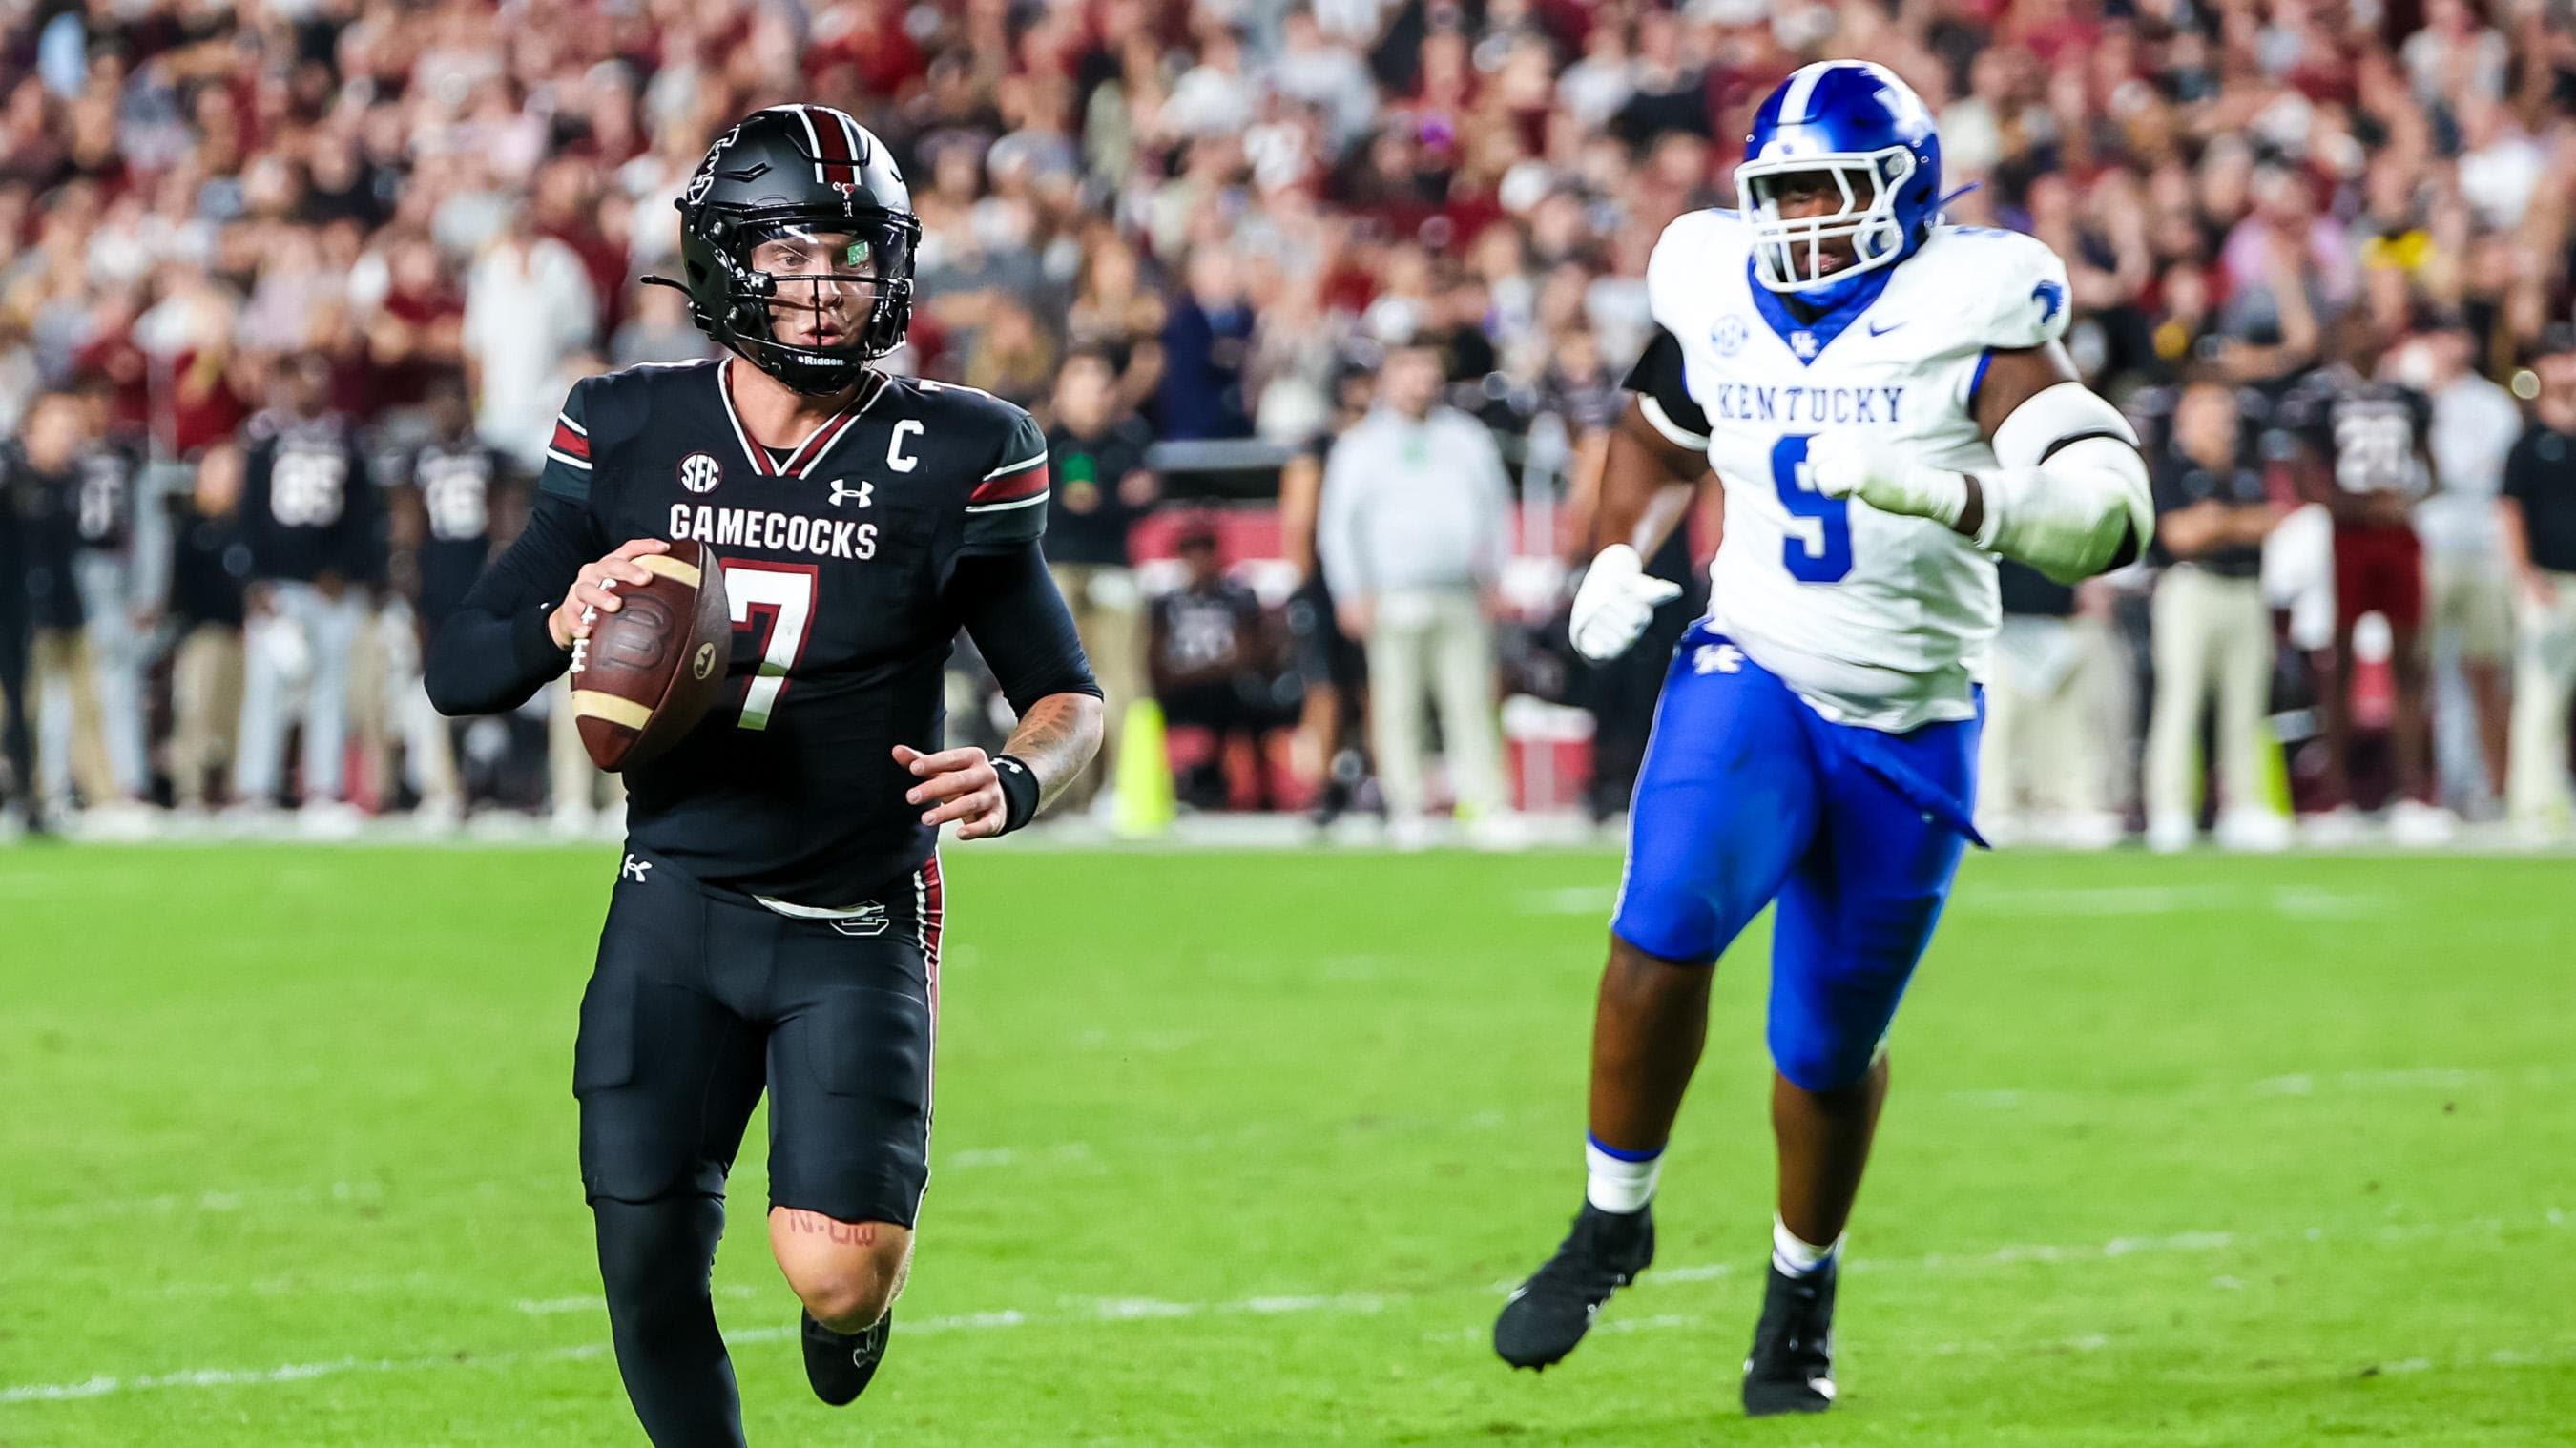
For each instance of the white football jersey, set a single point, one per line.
(1874, 619)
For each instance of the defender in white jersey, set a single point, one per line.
(1887, 405)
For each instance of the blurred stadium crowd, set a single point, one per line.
(1202, 238)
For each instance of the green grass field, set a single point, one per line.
(1242, 1149)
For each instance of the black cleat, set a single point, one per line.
(1792, 1366)
(1549, 1313)
(839, 1365)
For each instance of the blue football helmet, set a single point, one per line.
(1869, 132)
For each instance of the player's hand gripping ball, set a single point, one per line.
(650, 643)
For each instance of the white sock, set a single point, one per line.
(1619, 1181)
(1795, 1256)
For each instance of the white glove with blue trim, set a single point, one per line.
(1615, 603)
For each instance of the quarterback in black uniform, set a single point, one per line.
(777, 918)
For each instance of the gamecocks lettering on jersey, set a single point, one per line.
(792, 533)
(835, 583)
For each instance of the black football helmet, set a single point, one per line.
(820, 192)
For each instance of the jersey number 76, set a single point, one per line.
(1818, 548)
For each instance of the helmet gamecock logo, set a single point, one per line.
(700, 473)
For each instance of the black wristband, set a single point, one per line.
(1020, 791)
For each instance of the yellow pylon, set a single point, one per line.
(1145, 804)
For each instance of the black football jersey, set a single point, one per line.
(459, 485)
(836, 555)
(104, 517)
(42, 511)
(2372, 435)
(308, 505)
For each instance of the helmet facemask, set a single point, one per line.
(1790, 253)
(810, 297)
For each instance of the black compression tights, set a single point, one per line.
(654, 1260)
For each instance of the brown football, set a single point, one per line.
(650, 671)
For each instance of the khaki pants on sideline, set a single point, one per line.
(572, 781)
(205, 702)
(388, 704)
(2544, 674)
(117, 652)
(2041, 747)
(63, 655)
(1109, 615)
(2213, 643)
(1426, 646)
(2470, 596)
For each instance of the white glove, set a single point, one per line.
(1854, 463)
(1615, 603)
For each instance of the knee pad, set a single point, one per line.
(655, 1255)
(1822, 1060)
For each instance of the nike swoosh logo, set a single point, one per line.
(1876, 330)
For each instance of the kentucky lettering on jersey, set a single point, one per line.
(1874, 619)
(1837, 406)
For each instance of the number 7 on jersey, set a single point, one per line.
(785, 593)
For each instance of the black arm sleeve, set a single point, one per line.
(1658, 376)
(366, 538)
(1011, 609)
(2518, 477)
(494, 651)
(258, 518)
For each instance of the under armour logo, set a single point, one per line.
(634, 869)
(864, 492)
(1717, 659)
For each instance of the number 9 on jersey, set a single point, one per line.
(1818, 548)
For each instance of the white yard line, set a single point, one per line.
(1088, 1311)
(1076, 1154)
(2292, 901)
(252, 1195)
(2296, 1084)
(2296, 901)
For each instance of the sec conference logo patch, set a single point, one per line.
(1728, 339)
(700, 473)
